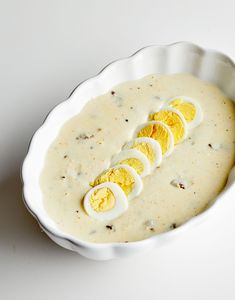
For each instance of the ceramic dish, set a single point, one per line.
(175, 58)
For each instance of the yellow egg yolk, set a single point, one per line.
(173, 120)
(102, 200)
(147, 149)
(134, 163)
(119, 176)
(157, 132)
(187, 109)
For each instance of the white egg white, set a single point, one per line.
(153, 143)
(199, 114)
(120, 206)
(133, 153)
(171, 137)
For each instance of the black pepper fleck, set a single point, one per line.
(181, 186)
(210, 145)
(110, 227)
(84, 136)
(131, 107)
(126, 120)
(62, 177)
(65, 156)
(173, 226)
(112, 92)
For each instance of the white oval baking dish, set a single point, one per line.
(181, 57)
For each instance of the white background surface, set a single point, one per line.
(46, 48)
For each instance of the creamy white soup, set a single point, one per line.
(181, 187)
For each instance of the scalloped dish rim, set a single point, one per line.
(103, 251)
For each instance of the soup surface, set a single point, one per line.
(86, 143)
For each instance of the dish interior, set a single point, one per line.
(84, 144)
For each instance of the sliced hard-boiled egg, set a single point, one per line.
(149, 147)
(190, 109)
(174, 119)
(123, 175)
(160, 132)
(135, 159)
(105, 202)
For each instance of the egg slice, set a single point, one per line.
(105, 202)
(190, 109)
(123, 175)
(160, 132)
(135, 159)
(174, 119)
(149, 147)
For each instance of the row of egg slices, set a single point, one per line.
(153, 140)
